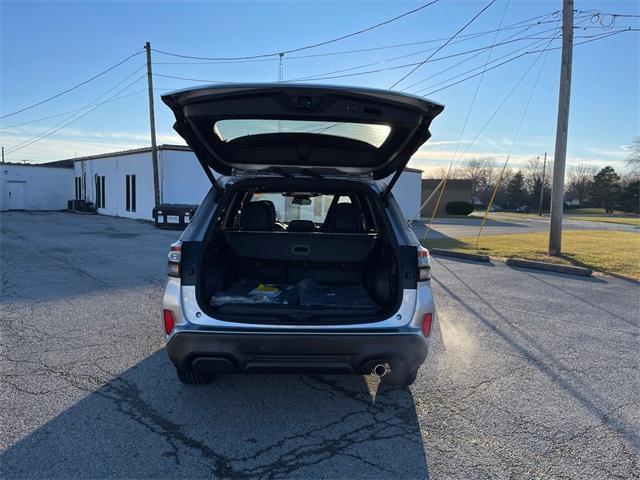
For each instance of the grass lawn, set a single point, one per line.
(616, 253)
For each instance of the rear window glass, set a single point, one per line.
(372, 134)
(286, 210)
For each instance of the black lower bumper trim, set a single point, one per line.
(214, 352)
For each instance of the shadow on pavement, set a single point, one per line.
(581, 299)
(144, 423)
(542, 359)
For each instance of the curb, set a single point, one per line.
(476, 257)
(552, 267)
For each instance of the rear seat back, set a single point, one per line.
(301, 226)
(301, 246)
(346, 218)
(257, 216)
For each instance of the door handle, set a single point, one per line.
(300, 249)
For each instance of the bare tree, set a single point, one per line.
(456, 172)
(580, 181)
(533, 171)
(633, 160)
(483, 174)
(537, 178)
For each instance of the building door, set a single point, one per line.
(16, 195)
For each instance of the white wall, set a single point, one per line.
(408, 191)
(183, 180)
(45, 188)
(115, 169)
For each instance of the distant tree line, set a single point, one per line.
(584, 185)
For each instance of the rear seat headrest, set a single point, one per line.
(346, 218)
(272, 208)
(301, 226)
(257, 216)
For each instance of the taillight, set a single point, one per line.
(426, 324)
(173, 265)
(424, 264)
(168, 321)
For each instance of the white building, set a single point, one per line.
(35, 187)
(121, 183)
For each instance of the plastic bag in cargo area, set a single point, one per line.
(313, 294)
(247, 291)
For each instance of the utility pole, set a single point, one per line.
(560, 156)
(152, 125)
(280, 66)
(544, 169)
(2, 154)
(280, 77)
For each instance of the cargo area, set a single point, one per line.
(314, 259)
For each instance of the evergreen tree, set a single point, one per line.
(516, 194)
(605, 190)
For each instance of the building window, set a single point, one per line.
(130, 188)
(128, 192)
(100, 192)
(133, 193)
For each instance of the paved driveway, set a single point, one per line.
(468, 226)
(529, 375)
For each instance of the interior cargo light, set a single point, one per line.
(168, 321)
(426, 324)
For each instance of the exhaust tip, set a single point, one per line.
(380, 370)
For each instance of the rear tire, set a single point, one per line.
(189, 377)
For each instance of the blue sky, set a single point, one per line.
(47, 47)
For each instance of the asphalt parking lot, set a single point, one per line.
(530, 375)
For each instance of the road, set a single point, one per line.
(468, 226)
(530, 375)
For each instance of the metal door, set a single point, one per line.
(16, 195)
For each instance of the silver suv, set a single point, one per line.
(299, 258)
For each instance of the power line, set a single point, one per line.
(68, 111)
(476, 55)
(330, 75)
(68, 121)
(444, 44)
(455, 77)
(81, 108)
(273, 57)
(484, 68)
(502, 103)
(307, 47)
(176, 77)
(513, 143)
(554, 29)
(601, 37)
(72, 88)
(463, 130)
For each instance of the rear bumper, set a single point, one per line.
(221, 352)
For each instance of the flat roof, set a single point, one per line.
(133, 151)
(57, 164)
